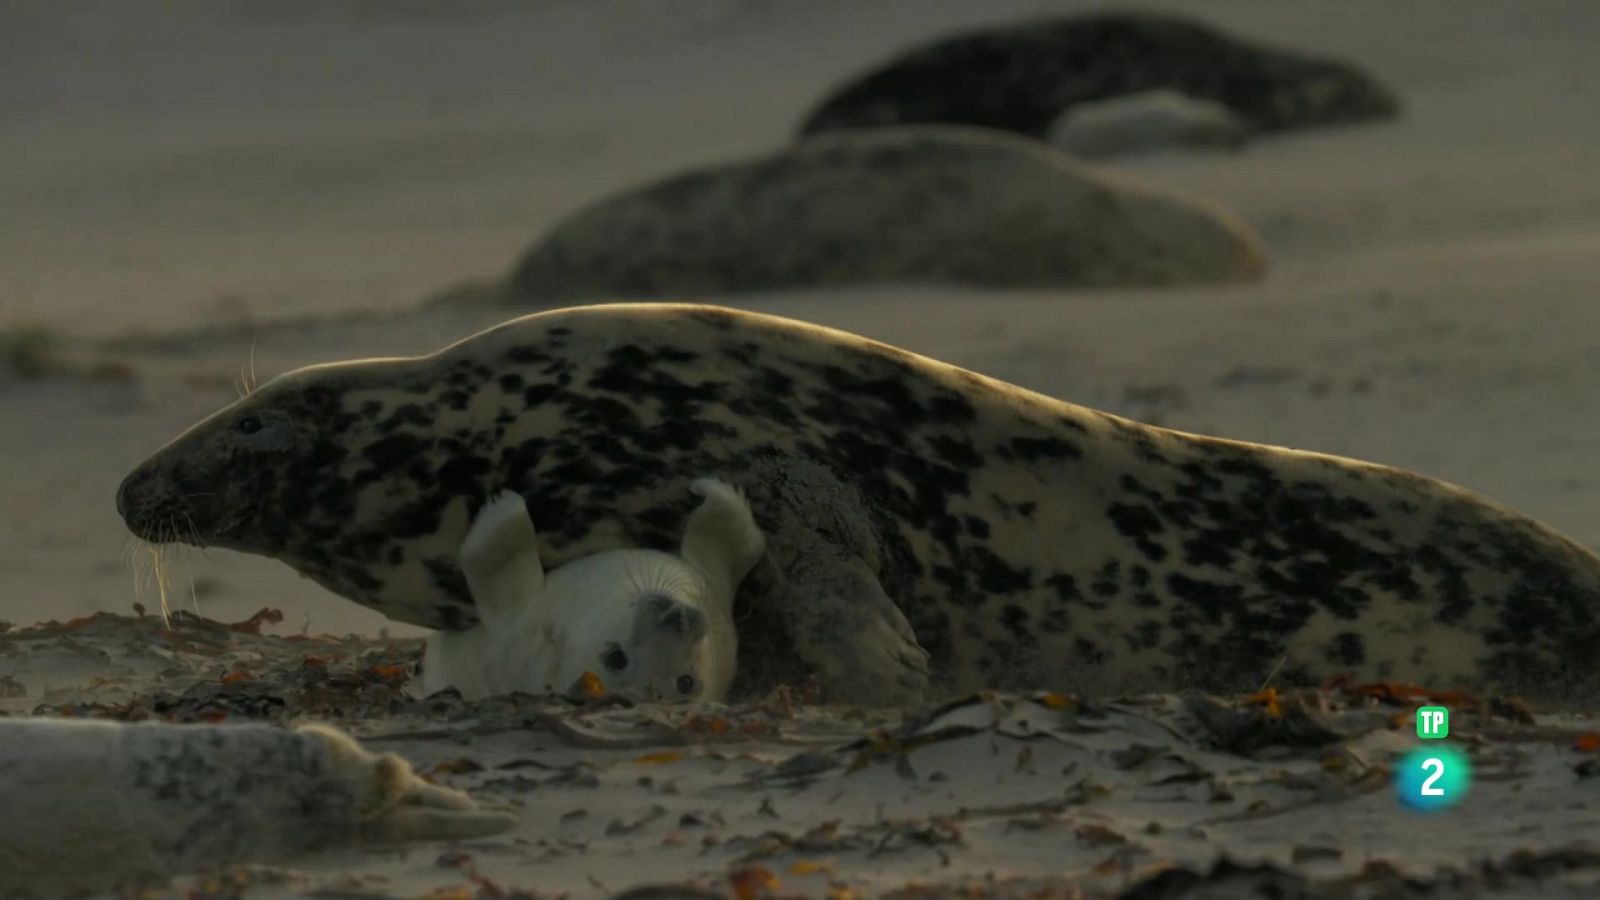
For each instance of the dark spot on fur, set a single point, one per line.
(319, 397)
(1211, 599)
(407, 414)
(539, 394)
(1347, 649)
(1015, 620)
(994, 575)
(1088, 652)
(950, 408)
(388, 453)
(1035, 450)
(1107, 582)
(955, 451)
(1146, 635)
(463, 475)
(1138, 524)
(1065, 586)
(526, 354)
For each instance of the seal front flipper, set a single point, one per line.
(500, 556)
(820, 581)
(850, 632)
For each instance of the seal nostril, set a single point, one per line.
(125, 492)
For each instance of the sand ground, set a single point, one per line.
(186, 185)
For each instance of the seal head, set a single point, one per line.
(211, 490)
(283, 472)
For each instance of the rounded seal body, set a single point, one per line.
(926, 526)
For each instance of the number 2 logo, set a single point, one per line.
(1435, 765)
(1432, 778)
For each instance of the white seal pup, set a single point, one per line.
(92, 806)
(643, 620)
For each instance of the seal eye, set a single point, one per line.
(686, 684)
(614, 659)
(248, 425)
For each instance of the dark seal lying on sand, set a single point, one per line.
(1022, 76)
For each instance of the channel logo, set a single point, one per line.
(1434, 776)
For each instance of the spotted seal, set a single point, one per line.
(95, 806)
(914, 512)
(1021, 76)
(657, 624)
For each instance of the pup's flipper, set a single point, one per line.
(500, 556)
(721, 538)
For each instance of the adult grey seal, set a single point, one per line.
(95, 806)
(1021, 76)
(926, 205)
(913, 511)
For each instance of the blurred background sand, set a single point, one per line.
(166, 167)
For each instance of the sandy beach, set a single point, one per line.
(192, 190)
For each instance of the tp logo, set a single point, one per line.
(1432, 777)
(1433, 723)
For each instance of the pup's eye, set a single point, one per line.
(248, 425)
(685, 684)
(614, 659)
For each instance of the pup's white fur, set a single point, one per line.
(642, 620)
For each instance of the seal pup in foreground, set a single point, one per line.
(913, 511)
(649, 622)
(93, 806)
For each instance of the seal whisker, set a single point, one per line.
(250, 386)
(141, 565)
(130, 550)
(194, 530)
(1274, 673)
(159, 567)
(135, 558)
